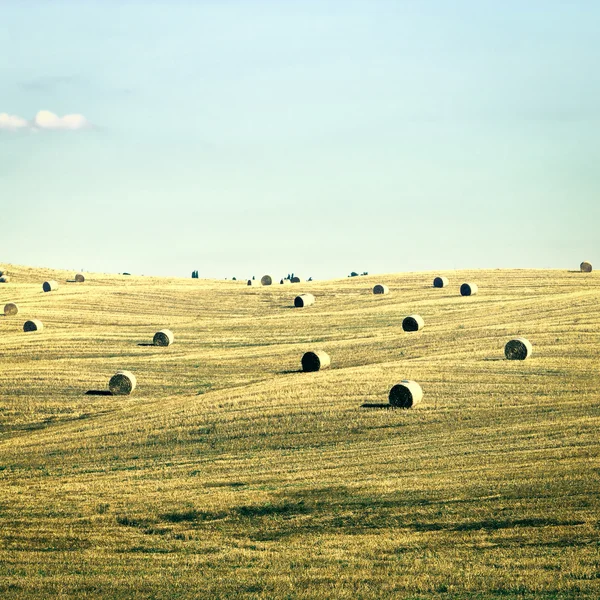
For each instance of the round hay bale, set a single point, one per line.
(314, 361)
(285, 282)
(79, 277)
(518, 349)
(164, 337)
(304, 300)
(406, 394)
(468, 289)
(4, 279)
(296, 280)
(49, 286)
(33, 325)
(266, 280)
(381, 289)
(11, 309)
(440, 282)
(586, 267)
(122, 383)
(413, 323)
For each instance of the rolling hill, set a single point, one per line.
(230, 473)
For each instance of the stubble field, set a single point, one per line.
(229, 473)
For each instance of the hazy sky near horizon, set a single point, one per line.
(243, 137)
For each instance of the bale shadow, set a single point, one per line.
(98, 393)
(488, 358)
(225, 484)
(289, 371)
(145, 344)
(378, 405)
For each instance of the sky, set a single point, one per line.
(244, 137)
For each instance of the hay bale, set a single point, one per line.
(11, 309)
(79, 277)
(253, 282)
(304, 300)
(413, 323)
(4, 279)
(266, 280)
(33, 325)
(468, 289)
(381, 289)
(296, 280)
(406, 394)
(285, 282)
(164, 337)
(440, 282)
(518, 349)
(49, 286)
(314, 361)
(122, 383)
(586, 267)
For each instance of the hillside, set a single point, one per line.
(230, 473)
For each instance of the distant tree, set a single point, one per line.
(353, 274)
(252, 277)
(365, 273)
(234, 278)
(309, 279)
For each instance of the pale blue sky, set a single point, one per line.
(242, 137)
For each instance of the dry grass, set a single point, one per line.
(229, 473)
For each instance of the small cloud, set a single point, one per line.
(48, 120)
(12, 122)
(43, 120)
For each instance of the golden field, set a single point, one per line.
(228, 473)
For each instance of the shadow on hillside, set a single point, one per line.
(495, 524)
(98, 393)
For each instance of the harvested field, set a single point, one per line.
(230, 467)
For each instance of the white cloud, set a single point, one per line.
(12, 122)
(48, 120)
(43, 120)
